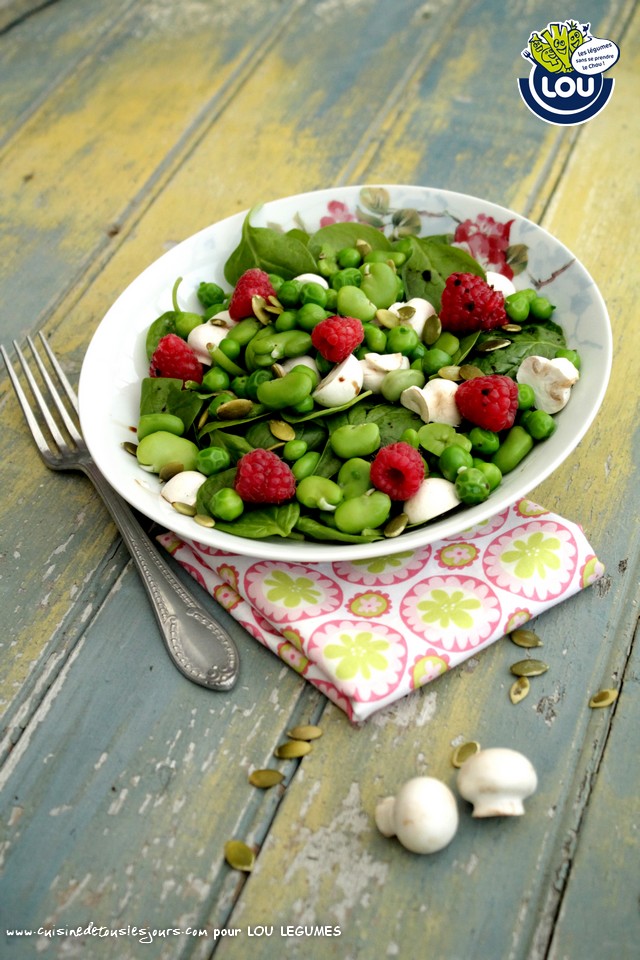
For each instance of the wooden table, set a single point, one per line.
(127, 126)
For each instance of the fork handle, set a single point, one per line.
(197, 644)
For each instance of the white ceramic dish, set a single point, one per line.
(115, 361)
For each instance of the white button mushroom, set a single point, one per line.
(312, 278)
(286, 365)
(500, 283)
(341, 384)
(375, 366)
(423, 815)
(208, 333)
(422, 310)
(435, 496)
(440, 395)
(414, 399)
(551, 381)
(496, 781)
(183, 488)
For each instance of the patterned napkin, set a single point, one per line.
(367, 632)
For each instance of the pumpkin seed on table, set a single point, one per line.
(464, 751)
(265, 778)
(519, 690)
(292, 750)
(305, 732)
(528, 668)
(281, 430)
(239, 855)
(604, 698)
(490, 345)
(204, 520)
(522, 637)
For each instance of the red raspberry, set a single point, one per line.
(262, 477)
(398, 470)
(469, 304)
(336, 337)
(252, 283)
(488, 402)
(175, 358)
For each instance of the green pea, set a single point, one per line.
(276, 281)
(417, 354)
(225, 504)
(313, 292)
(354, 477)
(243, 331)
(212, 460)
(289, 293)
(318, 493)
(379, 284)
(186, 322)
(152, 422)
(452, 460)
(218, 400)
(396, 381)
(230, 347)
(539, 424)
(402, 339)
(284, 391)
(209, 293)
(286, 320)
(327, 267)
(484, 441)
(309, 315)
(305, 466)
(472, 486)
(239, 386)
(158, 449)
(367, 511)
(526, 396)
(492, 474)
(434, 359)
(222, 359)
(375, 338)
(355, 439)
(514, 448)
(571, 355)
(353, 302)
(529, 293)
(323, 365)
(541, 308)
(447, 342)
(411, 437)
(255, 379)
(349, 257)
(351, 277)
(216, 379)
(331, 304)
(294, 449)
(516, 307)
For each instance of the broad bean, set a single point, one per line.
(396, 381)
(152, 422)
(158, 449)
(364, 512)
(355, 439)
(354, 477)
(318, 493)
(284, 391)
(514, 448)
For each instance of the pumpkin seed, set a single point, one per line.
(387, 319)
(406, 312)
(259, 308)
(522, 637)
(130, 447)
(281, 430)
(239, 855)
(204, 416)
(519, 690)
(529, 668)
(292, 750)
(305, 732)
(468, 371)
(204, 520)
(464, 751)
(432, 329)
(186, 509)
(170, 470)
(604, 698)
(265, 778)
(234, 409)
(450, 372)
(490, 345)
(511, 327)
(396, 526)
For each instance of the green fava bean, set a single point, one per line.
(484, 441)
(513, 449)
(402, 339)
(294, 449)
(152, 422)
(355, 439)
(318, 493)
(353, 302)
(367, 511)
(526, 396)
(216, 379)
(354, 477)
(453, 460)
(244, 331)
(541, 308)
(375, 338)
(434, 359)
(492, 474)
(305, 466)
(212, 460)
(284, 391)
(447, 342)
(286, 320)
(226, 504)
(379, 284)
(396, 381)
(158, 449)
(516, 307)
(434, 437)
(309, 315)
(472, 486)
(539, 424)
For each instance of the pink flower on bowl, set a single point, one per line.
(338, 213)
(487, 241)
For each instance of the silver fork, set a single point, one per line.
(197, 644)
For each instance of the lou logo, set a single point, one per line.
(565, 86)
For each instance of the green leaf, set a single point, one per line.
(431, 261)
(271, 521)
(269, 250)
(235, 446)
(211, 486)
(392, 420)
(318, 531)
(324, 411)
(155, 392)
(166, 323)
(329, 240)
(535, 339)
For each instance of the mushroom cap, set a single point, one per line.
(424, 815)
(435, 496)
(496, 781)
(341, 384)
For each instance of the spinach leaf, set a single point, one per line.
(392, 420)
(235, 446)
(211, 486)
(272, 521)
(271, 251)
(318, 531)
(155, 392)
(329, 240)
(430, 262)
(324, 411)
(535, 339)
(185, 404)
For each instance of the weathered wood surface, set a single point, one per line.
(126, 127)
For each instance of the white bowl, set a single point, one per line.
(116, 361)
